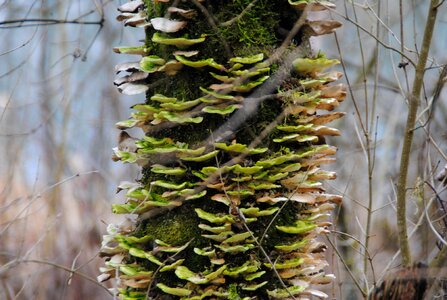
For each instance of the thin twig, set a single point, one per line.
(45, 22)
(357, 284)
(267, 257)
(386, 46)
(69, 270)
(239, 16)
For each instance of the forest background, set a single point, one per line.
(58, 107)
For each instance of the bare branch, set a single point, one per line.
(45, 22)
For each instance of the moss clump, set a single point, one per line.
(267, 111)
(287, 216)
(252, 33)
(233, 292)
(176, 227)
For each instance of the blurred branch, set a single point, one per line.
(437, 270)
(437, 6)
(20, 46)
(408, 135)
(386, 46)
(70, 270)
(40, 194)
(357, 284)
(45, 22)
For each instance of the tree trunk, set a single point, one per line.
(231, 202)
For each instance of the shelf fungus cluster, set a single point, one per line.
(231, 202)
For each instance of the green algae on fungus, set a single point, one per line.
(184, 273)
(213, 218)
(179, 42)
(313, 65)
(137, 50)
(126, 124)
(151, 63)
(167, 170)
(174, 291)
(283, 293)
(257, 212)
(235, 249)
(179, 106)
(199, 64)
(292, 247)
(253, 287)
(286, 264)
(299, 227)
(248, 59)
(244, 88)
(175, 117)
(163, 99)
(226, 110)
(201, 158)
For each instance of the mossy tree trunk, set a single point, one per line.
(231, 201)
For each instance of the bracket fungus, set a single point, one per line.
(225, 209)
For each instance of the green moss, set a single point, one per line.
(253, 32)
(154, 10)
(287, 216)
(233, 292)
(267, 112)
(176, 227)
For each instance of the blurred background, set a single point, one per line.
(58, 107)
